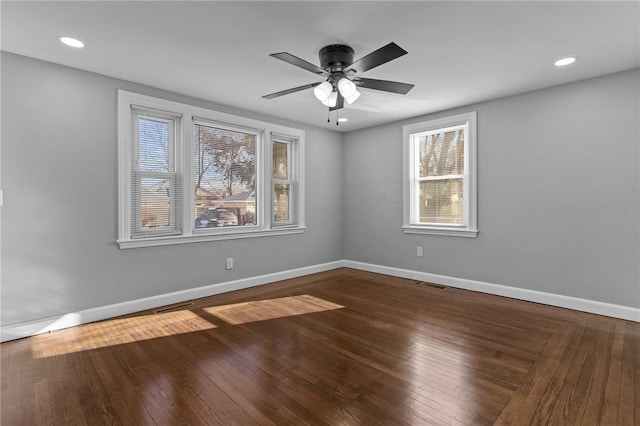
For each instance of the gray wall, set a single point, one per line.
(59, 223)
(559, 192)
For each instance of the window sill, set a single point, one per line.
(449, 232)
(200, 238)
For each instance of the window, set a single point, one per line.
(188, 174)
(282, 182)
(440, 176)
(155, 192)
(225, 176)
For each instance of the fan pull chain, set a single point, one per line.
(328, 112)
(337, 119)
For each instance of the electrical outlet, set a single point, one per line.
(229, 264)
(419, 251)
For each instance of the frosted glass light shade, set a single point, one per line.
(323, 91)
(346, 87)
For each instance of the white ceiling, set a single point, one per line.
(459, 52)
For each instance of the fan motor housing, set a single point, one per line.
(335, 57)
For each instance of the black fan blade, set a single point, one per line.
(339, 103)
(384, 85)
(381, 56)
(288, 91)
(294, 60)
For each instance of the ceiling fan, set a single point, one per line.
(341, 72)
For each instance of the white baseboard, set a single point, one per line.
(58, 322)
(584, 305)
(44, 325)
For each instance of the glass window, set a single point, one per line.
(440, 165)
(283, 193)
(155, 193)
(440, 188)
(190, 174)
(225, 177)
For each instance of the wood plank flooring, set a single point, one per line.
(343, 347)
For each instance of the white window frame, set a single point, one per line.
(411, 225)
(184, 146)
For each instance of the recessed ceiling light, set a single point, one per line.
(343, 120)
(72, 42)
(565, 61)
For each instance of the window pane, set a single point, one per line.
(441, 154)
(155, 203)
(153, 145)
(225, 174)
(280, 161)
(441, 201)
(281, 195)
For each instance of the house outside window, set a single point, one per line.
(189, 174)
(440, 190)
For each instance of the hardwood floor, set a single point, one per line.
(340, 348)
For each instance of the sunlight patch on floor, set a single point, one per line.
(260, 310)
(116, 332)
(145, 327)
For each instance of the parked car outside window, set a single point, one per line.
(214, 218)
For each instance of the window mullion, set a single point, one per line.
(261, 183)
(186, 171)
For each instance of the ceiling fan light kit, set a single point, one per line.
(342, 82)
